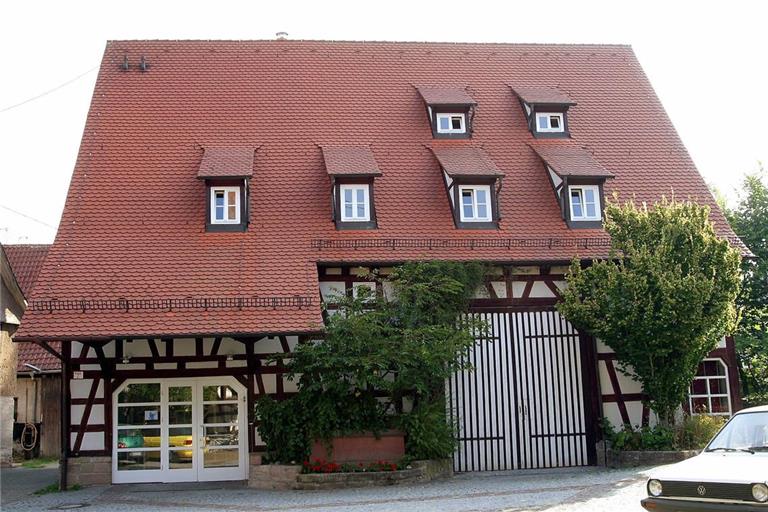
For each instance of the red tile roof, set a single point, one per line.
(539, 94)
(465, 161)
(26, 261)
(37, 356)
(134, 221)
(444, 95)
(569, 160)
(227, 162)
(350, 161)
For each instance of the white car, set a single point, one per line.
(731, 473)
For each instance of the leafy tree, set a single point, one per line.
(750, 221)
(375, 355)
(663, 299)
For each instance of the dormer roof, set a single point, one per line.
(445, 95)
(570, 160)
(227, 162)
(541, 95)
(350, 161)
(466, 161)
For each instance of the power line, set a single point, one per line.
(27, 216)
(49, 91)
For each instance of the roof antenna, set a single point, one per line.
(143, 64)
(125, 66)
(281, 36)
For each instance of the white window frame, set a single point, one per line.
(584, 217)
(354, 188)
(549, 128)
(709, 396)
(214, 190)
(449, 115)
(371, 286)
(475, 217)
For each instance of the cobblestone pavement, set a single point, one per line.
(584, 489)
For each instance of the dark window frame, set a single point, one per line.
(336, 203)
(565, 194)
(242, 226)
(473, 181)
(433, 110)
(542, 108)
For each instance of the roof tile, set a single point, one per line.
(134, 221)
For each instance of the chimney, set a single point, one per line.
(281, 36)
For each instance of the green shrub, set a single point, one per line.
(693, 433)
(696, 431)
(755, 399)
(429, 434)
(283, 428)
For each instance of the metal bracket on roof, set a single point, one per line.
(125, 66)
(143, 64)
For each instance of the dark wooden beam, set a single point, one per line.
(49, 349)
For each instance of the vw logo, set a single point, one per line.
(701, 490)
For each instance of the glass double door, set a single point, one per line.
(179, 430)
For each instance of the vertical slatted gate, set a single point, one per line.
(523, 406)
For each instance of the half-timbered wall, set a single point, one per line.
(533, 288)
(96, 369)
(622, 396)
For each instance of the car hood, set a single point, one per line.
(726, 467)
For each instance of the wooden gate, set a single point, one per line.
(523, 406)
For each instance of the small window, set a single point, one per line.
(365, 289)
(475, 203)
(225, 205)
(585, 202)
(355, 203)
(549, 122)
(451, 123)
(710, 392)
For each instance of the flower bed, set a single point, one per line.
(322, 466)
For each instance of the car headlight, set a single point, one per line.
(654, 488)
(760, 492)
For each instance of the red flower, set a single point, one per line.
(393, 467)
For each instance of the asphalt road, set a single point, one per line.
(18, 483)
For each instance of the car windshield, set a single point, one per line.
(745, 432)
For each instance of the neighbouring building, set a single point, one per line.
(12, 306)
(224, 189)
(38, 372)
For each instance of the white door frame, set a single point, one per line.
(197, 472)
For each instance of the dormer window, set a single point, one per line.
(355, 203)
(472, 181)
(225, 205)
(475, 203)
(449, 111)
(545, 109)
(451, 123)
(585, 202)
(226, 172)
(352, 170)
(550, 122)
(577, 180)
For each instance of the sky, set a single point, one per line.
(708, 62)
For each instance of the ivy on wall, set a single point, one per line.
(376, 356)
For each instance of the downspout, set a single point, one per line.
(64, 417)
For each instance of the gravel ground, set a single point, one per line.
(584, 489)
